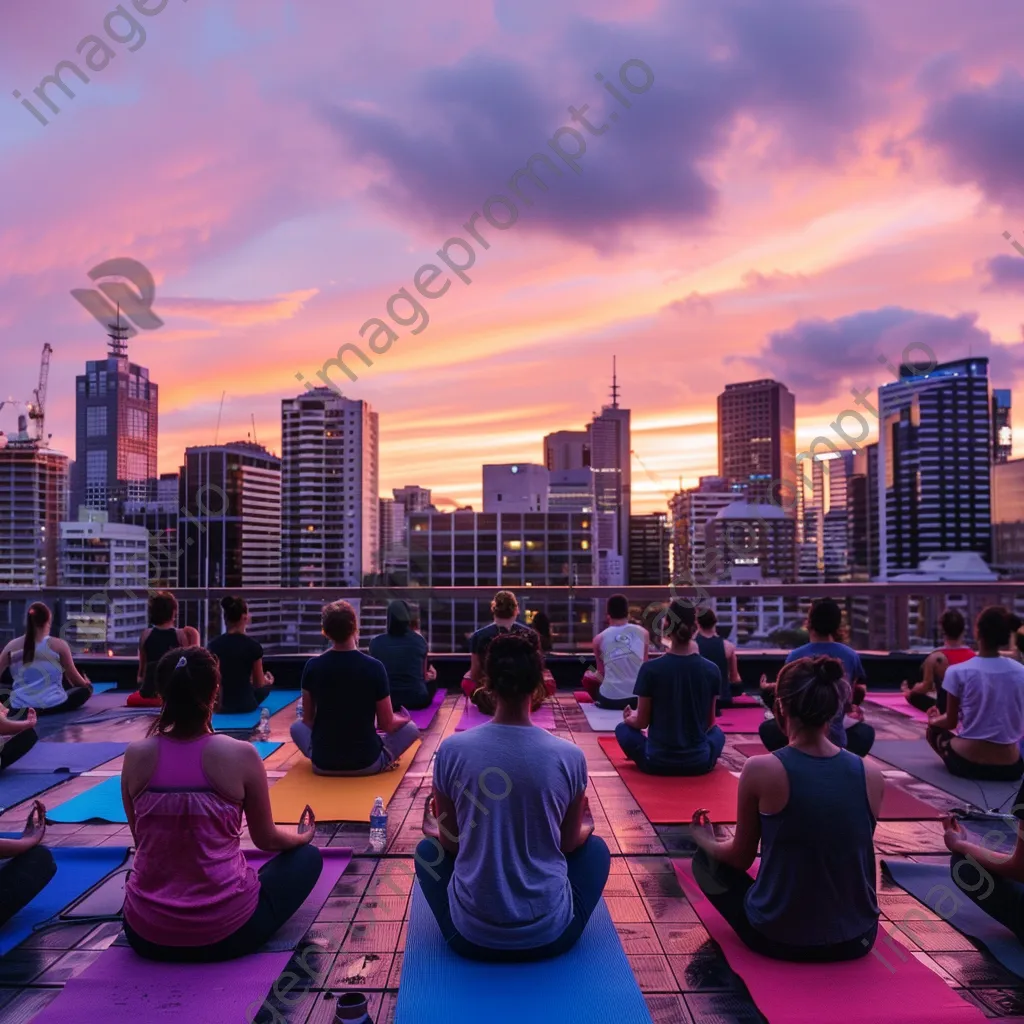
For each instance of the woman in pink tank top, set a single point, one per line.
(191, 896)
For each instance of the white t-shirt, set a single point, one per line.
(622, 653)
(40, 683)
(991, 695)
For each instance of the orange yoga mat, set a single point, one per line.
(897, 804)
(334, 798)
(667, 799)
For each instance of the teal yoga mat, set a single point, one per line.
(78, 870)
(103, 802)
(103, 687)
(276, 700)
(933, 885)
(593, 981)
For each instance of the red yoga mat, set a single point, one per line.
(582, 697)
(897, 804)
(667, 799)
(740, 719)
(886, 987)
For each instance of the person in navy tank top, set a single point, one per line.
(812, 807)
(721, 653)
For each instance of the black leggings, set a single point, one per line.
(17, 746)
(923, 702)
(77, 696)
(416, 705)
(23, 878)
(1000, 898)
(285, 882)
(859, 738)
(613, 704)
(941, 741)
(726, 889)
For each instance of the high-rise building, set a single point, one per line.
(229, 530)
(109, 562)
(824, 549)
(753, 543)
(935, 443)
(1002, 427)
(571, 490)
(33, 504)
(649, 544)
(519, 487)
(115, 432)
(330, 529)
(862, 514)
(567, 449)
(394, 548)
(691, 511)
(757, 442)
(1008, 517)
(159, 518)
(413, 498)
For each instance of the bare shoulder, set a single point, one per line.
(763, 769)
(227, 747)
(145, 635)
(59, 646)
(140, 762)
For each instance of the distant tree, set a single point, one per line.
(788, 638)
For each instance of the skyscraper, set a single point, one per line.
(567, 449)
(691, 512)
(1002, 432)
(757, 442)
(649, 538)
(519, 487)
(935, 444)
(825, 520)
(115, 432)
(330, 529)
(229, 529)
(413, 497)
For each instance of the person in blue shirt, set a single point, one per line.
(678, 694)
(849, 730)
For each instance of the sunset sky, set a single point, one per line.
(804, 187)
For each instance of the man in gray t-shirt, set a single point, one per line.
(510, 888)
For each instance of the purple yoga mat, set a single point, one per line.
(119, 983)
(426, 716)
(472, 717)
(897, 702)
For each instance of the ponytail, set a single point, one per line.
(187, 680)
(38, 616)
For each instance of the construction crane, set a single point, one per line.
(35, 409)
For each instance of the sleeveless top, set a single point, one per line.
(816, 882)
(190, 884)
(713, 648)
(40, 683)
(622, 652)
(158, 643)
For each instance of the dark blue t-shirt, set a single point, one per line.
(854, 674)
(345, 686)
(403, 657)
(682, 688)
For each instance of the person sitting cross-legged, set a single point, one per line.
(812, 807)
(28, 865)
(929, 693)
(677, 696)
(510, 866)
(620, 652)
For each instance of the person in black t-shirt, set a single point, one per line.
(995, 881)
(403, 652)
(345, 699)
(243, 683)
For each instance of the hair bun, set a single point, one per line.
(830, 670)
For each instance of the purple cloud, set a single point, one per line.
(1006, 274)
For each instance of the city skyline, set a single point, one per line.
(848, 215)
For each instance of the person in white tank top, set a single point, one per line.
(620, 650)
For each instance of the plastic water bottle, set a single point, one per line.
(265, 722)
(298, 710)
(352, 1009)
(378, 826)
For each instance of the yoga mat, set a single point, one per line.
(668, 799)
(933, 885)
(18, 786)
(866, 990)
(746, 701)
(427, 715)
(897, 702)
(71, 758)
(592, 982)
(543, 717)
(582, 697)
(103, 802)
(103, 900)
(740, 719)
(103, 687)
(274, 702)
(78, 869)
(918, 759)
(601, 719)
(334, 798)
(897, 803)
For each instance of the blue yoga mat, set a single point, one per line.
(250, 719)
(18, 786)
(593, 981)
(79, 868)
(918, 759)
(933, 885)
(72, 758)
(103, 687)
(103, 802)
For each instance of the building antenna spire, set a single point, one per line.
(118, 335)
(615, 386)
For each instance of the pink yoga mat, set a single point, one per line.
(121, 984)
(865, 991)
(582, 697)
(740, 719)
(424, 717)
(897, 702)
(544, 717)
